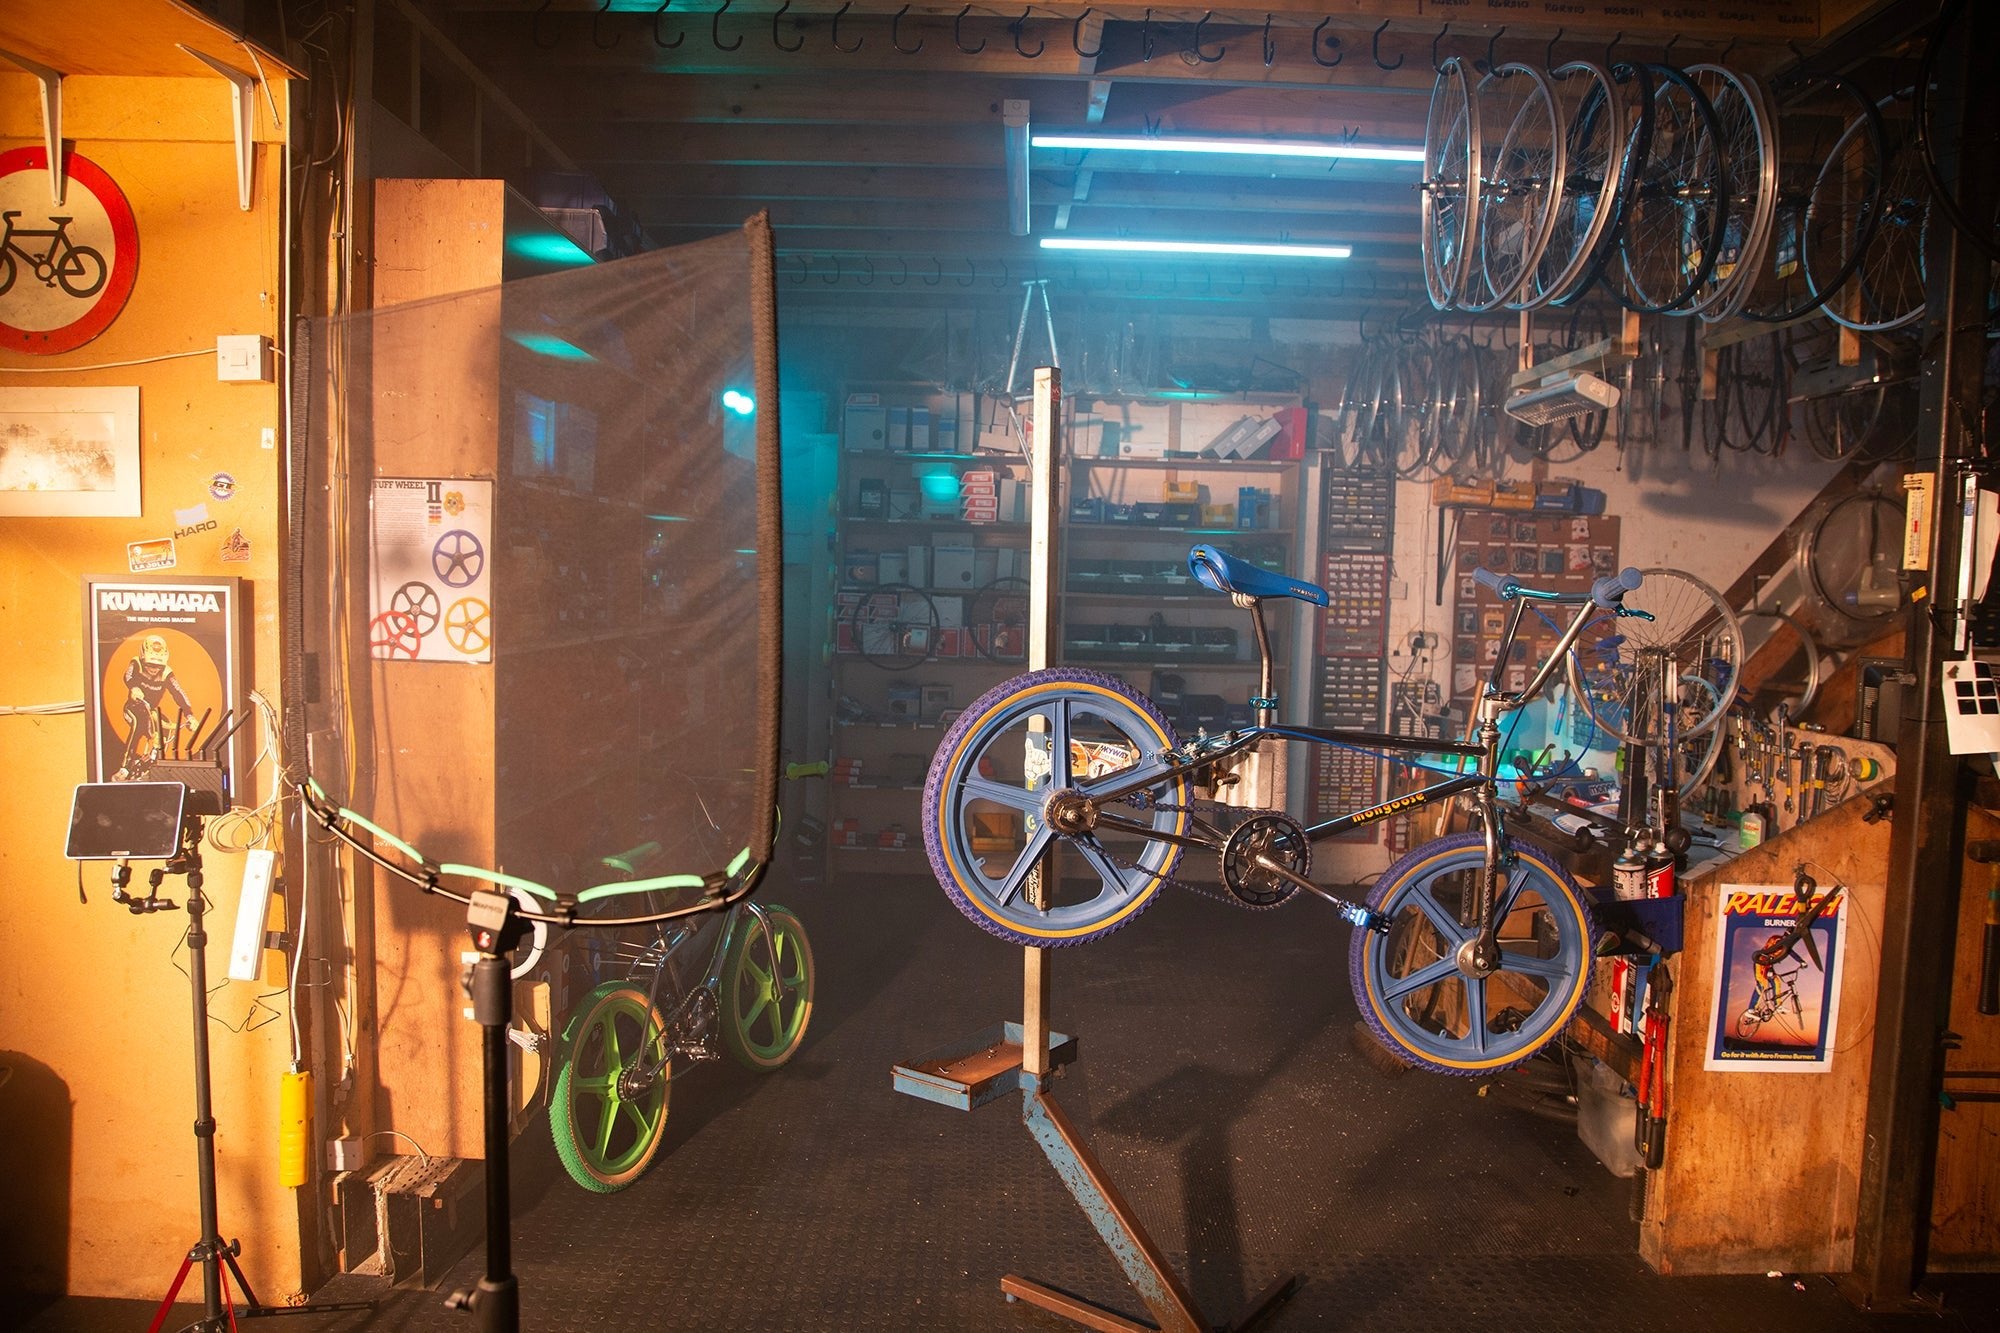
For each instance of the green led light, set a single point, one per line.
(547, 344)
(547, 248)
(742, 404)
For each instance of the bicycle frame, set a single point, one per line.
(1203, 752)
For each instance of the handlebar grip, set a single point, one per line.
(1494, 579)
(1608, 591)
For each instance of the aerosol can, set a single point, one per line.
(1628, 872)
(1659, 869)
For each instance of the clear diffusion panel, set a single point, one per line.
(537, 566)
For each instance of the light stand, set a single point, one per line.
(495, 929)
(210, 1251)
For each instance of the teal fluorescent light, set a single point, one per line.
(1146, 143)
(739, 402)
(547, 248)
(547, 344)
(1268, 250)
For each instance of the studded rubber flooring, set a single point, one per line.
(1217, 1084)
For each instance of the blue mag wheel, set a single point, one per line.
(1408, 984)
(1022, 742)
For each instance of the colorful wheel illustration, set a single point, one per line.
(467, 625)
(418, 601)
(767, 989)
(609, 1109)
(458, 559)
(1410, 983)
(394, 634)
(1029, 754)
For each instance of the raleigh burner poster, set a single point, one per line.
(165, 676)
(1776, 1001)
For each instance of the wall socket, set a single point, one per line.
(343, 1154)
(243, 358)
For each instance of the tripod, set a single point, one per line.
(216, 1256)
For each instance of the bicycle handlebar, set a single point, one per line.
(1606, 592)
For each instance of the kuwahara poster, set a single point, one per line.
(165, 678)
(1777, 989)
(430, 587)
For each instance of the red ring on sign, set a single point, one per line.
(117, 284)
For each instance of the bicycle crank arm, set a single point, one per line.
(1354, 912)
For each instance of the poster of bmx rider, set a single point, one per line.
(1778, 966)
(430, 593)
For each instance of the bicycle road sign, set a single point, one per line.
(65, 272)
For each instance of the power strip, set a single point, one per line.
(246, 955)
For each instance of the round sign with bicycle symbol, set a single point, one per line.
(66, 270)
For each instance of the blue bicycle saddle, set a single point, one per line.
(1225, 573)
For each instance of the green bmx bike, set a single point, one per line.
(740, 980)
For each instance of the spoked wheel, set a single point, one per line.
(607, 1114)
(1887, 290)
(1450, 189)
(767, 989)
(1829, 200)
(1592, 112)
(1749, 148)
(1016, 777)
(1409, 985)
(895, 627)
(1783, 670)
(1521, 186)
(1680, 205)
(1620, 663)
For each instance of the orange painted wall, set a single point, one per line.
(89, 991)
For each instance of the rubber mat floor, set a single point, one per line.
(1217, 1083)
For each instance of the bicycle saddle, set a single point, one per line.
(1225, 573)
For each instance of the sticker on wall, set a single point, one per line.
(188, 522)
(222, 486)
(148, 555)
(235, 548)
(430, 591)
(66, 270)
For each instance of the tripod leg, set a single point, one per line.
(160, 1315)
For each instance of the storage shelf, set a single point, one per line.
(857, 520)
(1075, 529)
(1190, 462)
(1162, 662)
(1148, 592)
(990, 456)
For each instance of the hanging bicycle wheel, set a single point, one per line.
(1449, 192)
(1782, 667)
(895, 626)
(1591, 110)
(766, 991)
(1950, 147)
(1887, 290)
(608, 1110)
(1749, 147)
(1673, 228)
(1521, 185)
(1621, 663)
(1828, 199)
(1694, 756)
(1408, 982)
(1004, 789)
(1850, 559)
(997, 620)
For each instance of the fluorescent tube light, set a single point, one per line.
(1145, 143)
(1125, 245)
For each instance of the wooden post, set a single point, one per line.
(1045, 488)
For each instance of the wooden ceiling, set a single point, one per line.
(873, 132)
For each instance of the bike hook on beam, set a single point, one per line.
(937, 265)
(844, 50)
(1019, 26)
(715, 28)
(1375, 47)
(1146, 39)
(1611, 46)
(596, 26)
(775, 16)
(1197, 52)
(679, 37)
(1549, 54)
(1437, 66)
(535, 30)
(1076, 38)
(1270, 46)
(899, 281)
(959, 39)
(1331, 41)
(1491, 42)
(835, 279)
(895, 38)
(972, 271)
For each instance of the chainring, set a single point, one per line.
(1277, 837)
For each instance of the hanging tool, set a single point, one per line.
(1650, 1130)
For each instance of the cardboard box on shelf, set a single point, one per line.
(920, 430)
(864, 424)
(899, 430)
(951, 567)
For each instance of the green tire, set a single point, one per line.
(607, 1125)
(767, 989)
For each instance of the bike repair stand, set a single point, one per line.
(495, 929)
(216, 1256)
(1024, 1055)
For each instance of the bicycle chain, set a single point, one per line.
(1144, 802)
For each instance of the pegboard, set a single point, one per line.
(1563, 552)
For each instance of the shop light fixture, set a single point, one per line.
(1265, 249)
(1146, 143)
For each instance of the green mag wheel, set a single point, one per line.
(767, 989)
(607, 1116)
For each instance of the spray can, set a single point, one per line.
(1659, 869)
(1628, 872)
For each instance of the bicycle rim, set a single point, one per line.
(1450, 189)
(1521, 186)
(1886, 288)
(1619, 663)
(1673, 230)
(1749, 150)
(607, 1130)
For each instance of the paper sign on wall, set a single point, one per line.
(430, 586)
(1777, 988)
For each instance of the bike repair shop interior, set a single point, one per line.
(473, 472)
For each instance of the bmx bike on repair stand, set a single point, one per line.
(1471, 952)
(743, 977)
